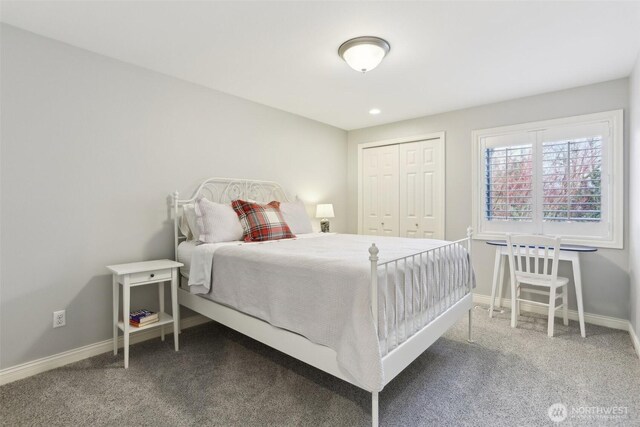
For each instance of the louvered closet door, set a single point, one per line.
(422, 189)
(380, 191)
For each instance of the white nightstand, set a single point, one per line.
(138, 274)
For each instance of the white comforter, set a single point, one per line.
(318, 286)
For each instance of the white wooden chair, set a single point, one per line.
(533, 261)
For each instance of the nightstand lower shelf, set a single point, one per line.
(163, 319)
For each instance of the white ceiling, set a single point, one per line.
(444, 55)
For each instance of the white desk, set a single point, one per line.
(569, 253)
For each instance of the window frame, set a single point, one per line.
(612, 166)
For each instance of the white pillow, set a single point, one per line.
(184, 226)
(216, 222)
(295, 215)
(189, 214)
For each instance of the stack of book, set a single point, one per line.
(142, 317)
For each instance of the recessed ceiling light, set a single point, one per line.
(364, 53)
(375, 111)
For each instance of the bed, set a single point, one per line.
(359, 311)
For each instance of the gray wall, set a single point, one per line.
(91, 148)
(634, 199)
(605, 277)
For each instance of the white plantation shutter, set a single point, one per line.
(575, 167)
(508, 170)
(509, 183)
(558, 177)
(571, 180)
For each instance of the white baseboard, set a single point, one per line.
(634, 339)
(594, 319)
(44, 364)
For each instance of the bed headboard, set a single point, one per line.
(224, 190)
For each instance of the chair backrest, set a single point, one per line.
(527, 252)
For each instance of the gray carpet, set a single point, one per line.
(507, 378)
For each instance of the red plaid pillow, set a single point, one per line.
(261, 222)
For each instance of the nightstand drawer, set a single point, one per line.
(145, 276)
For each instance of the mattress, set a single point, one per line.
(185, 250)
(319, 286)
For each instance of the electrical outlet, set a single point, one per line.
(59, 318)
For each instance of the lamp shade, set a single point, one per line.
(364, 53)
(325, 211)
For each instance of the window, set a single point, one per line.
(571, 184)
(558, 177)
(509, 174)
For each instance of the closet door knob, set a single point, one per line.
(417, 225)
(152, 275)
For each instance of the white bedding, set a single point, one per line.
(318, 285)
(185, 250)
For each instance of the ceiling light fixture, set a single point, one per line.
(364, 53)
(374, 111)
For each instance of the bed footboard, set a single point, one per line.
(411, 291)
(423, 294)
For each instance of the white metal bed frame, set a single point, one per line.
(397, 358)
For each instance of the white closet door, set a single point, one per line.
(411, 183)
(422, 189)
(380, 191)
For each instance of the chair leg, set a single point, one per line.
(518, 293)
(514, 304)
(501, 284)
(565, 305)
(552, 310)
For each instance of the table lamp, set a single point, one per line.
(324, 211)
